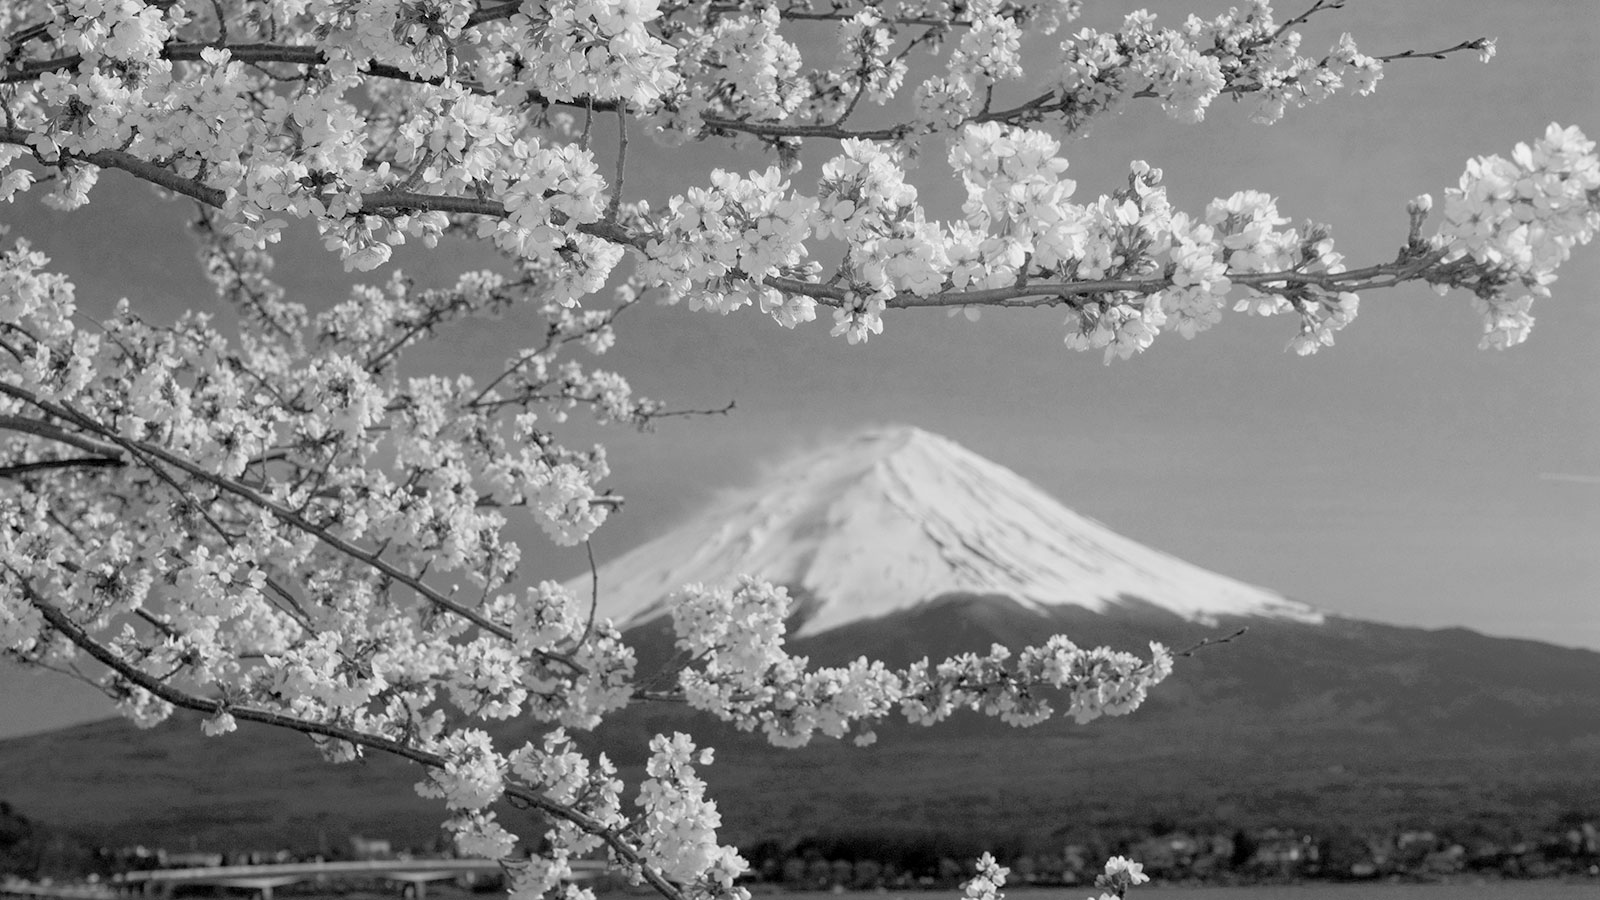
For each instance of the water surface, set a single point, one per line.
(1495, 890)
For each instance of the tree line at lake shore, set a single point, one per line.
(1569, 846)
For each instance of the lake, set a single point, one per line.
(1497, 890)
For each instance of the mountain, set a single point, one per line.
(896, 517)
(1343, 726)
(898, 545)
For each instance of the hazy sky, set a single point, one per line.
(1402, 476)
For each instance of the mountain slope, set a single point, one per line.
(895, 517)
(1346, 725)
(900, 545)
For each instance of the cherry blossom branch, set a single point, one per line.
(1474, 44)
(1029, 111)
(839, 15)
(249, 289)
(1032, 110)
(695, 413)
(127, 162)
(378, 201)
(184, 51)
(261, 53)
(1212, 642)
(80, 638)
(283, 514)
(553, 338)
(895, 20)
(430, 319)
(1318, 6)
(784, 129)
(1407, 268)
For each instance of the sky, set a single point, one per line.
(1402, 476)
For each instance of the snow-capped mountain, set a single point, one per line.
(896, 517)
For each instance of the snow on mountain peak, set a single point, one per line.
(895, 517)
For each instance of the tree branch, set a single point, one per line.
(503, 11)
(784, 129)
(80, 638)
(1054, 293)
(838, 15)
(61, 435)
(293, 54)
(1212, 642)
(28, 33)
(1474, 44)
(1033, 294)
(375, 202)
(133, 165)
(695, 413)
(81, 462)
(622, 162)
(64, 624)
(1316, 7)
(283, 514)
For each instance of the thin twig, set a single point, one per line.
(594, 591)
(283, 514)
(1316, 7)
(222, 23)
(689, 413)
(622, 161)
(1474, 44)
(1208, 642)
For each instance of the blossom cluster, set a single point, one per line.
(987, 53)
(718, 246)
(1120, 874)
(1241, 52)
(986, 884)
(680, 823)
(742, 674)
(1518, 219)
(742, 67)
(868, 42)
(597, 49)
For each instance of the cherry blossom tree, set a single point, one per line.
(278, 526)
